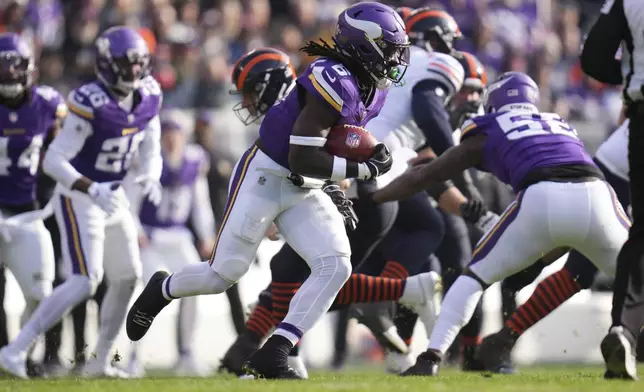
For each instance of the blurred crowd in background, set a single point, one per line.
(196, 42)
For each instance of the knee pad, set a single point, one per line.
(338, 267)
(87, 284)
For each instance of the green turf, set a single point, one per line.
(551, 379)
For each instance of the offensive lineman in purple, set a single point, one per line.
(30, 117)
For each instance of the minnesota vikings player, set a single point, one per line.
(577, 274)
(166, 243)
(563, 200)
(30, 117)
(277, 179)
(110, 120)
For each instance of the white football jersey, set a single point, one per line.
(613, 152)
(395, 125)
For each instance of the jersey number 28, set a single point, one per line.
(117, 153)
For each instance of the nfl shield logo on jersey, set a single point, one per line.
(353, 140)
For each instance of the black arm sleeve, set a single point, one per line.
(602, 43)
(428, 111)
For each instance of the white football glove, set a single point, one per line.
(487, 222)
(105, 196)
(151, 189)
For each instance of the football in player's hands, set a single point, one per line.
(351, 142)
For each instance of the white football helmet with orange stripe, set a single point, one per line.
(395, 126)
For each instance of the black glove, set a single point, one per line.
(380, 162)
(344, 205)
(464, 112)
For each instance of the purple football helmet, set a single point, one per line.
(122, 59)
(16, 66)
(512, 91)
(375, 35)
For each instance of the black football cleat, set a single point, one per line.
(426, 364)
(271, 361)
(237, 355)
(470, 361)
(618, 355)
(495, 352)
(146, 307)
(274, 372)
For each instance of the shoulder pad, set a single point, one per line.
(85, 100)
(333, 83)
(54, 100)
(446, 70)
(475, 126)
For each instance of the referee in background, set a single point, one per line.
(622, 21)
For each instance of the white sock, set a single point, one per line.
(315, 296)
(194, 279)
(76, 289)
(113, 310)
(187, 324)
(457, 309)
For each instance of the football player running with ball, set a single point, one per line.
(562, 200)
(110, 120)
(347, 85)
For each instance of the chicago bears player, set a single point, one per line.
(347, 85)
(30, 117)
(563, 200)
(166, 243)
(110, 120)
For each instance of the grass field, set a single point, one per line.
(550, 379)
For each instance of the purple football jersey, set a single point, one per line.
(23, 132)
(178, 191)
(116, 133)
(519, 142)
(332, 83)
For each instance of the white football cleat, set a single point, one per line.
(96, 369)
(187, 366)
(431, 285)
(396, 362)
(13, 364)
(297, 364)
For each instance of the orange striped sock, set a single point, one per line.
(394, 269)
(281, 294)
(260, 321)
(366, 288)
(549, 294)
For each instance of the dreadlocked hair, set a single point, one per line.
(323, 49)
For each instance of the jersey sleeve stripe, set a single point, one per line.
(325, 89)
(468, 128)
(80, 111)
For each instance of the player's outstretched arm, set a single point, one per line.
(467, 154)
